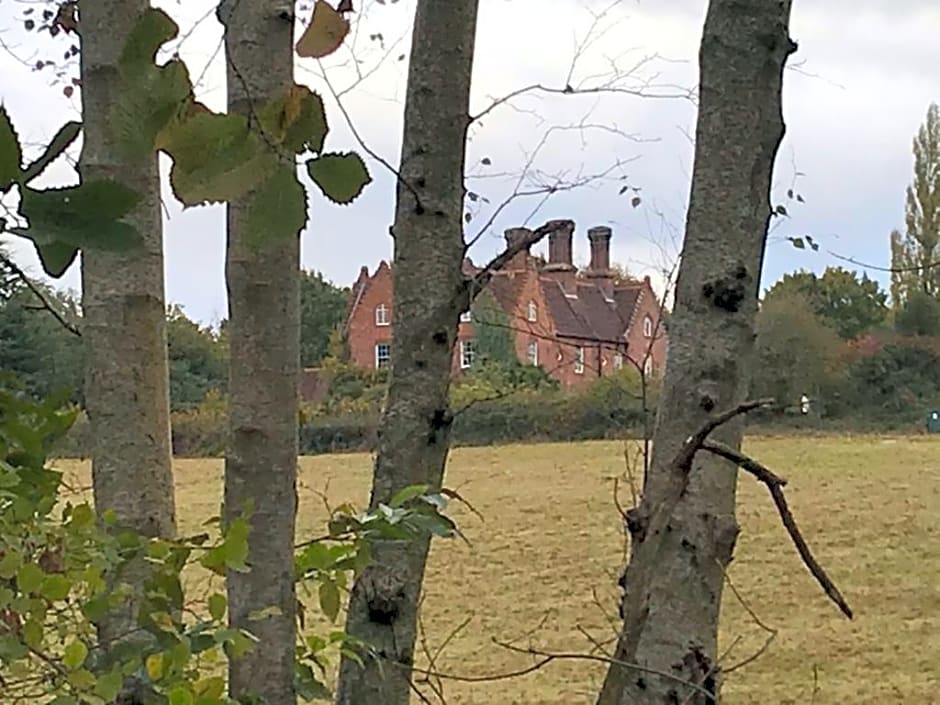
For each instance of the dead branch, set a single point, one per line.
(775, 486)
(694, 443)
(477, 283)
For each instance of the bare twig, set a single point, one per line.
(775, 486)
(46, 304)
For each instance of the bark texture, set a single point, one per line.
(264, 315)
(124, 318)
(429, 295)
(684, 531)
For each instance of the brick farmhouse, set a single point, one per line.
(578, 325)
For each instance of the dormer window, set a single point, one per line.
(647, 327)
(466, 317)
(381, 315)
(533, 312)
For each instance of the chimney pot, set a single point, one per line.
(559, 248)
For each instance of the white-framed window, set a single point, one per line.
(533, 352)
(383, 355)
(466, 354)
(648, 366)
(381, 315)
(466, 317)
(647, 327)
(618, 361)
(579, 361)
(533, 312)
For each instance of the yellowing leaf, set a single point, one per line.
(325, 33)
(295, 120)
(216, 157)
(154, 666)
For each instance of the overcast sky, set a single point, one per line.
(857, 91)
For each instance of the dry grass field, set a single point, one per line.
(870, 507)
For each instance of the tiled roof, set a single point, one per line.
(589, 314)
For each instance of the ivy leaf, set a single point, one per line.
(341, 177)
(329, 599)
(278, 208)
(11, 155)
(63, 139)
(798, 243)
(325, 33)
(149, 96)
(216, 158)
(295, 120)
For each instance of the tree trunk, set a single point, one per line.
(264, 318)
(429, 294)
(673, 582)
(124, 317)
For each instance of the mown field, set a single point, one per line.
(550, 538)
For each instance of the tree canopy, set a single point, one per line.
(850, 304)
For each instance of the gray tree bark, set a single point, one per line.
(429, 295)
(264, 317)
(124, 318)
(684, 531)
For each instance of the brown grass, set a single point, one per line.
(869, 507)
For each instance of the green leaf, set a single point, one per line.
(84, 216)
(56, 257)
(82, 679)
(55, 587)
(217, 604)
(180, 695)
(295, 120)
(341, 177)
(278, 209)
(109, 685)
(798, 243)
(216, 158)
(63, 139)
(407, 493)
(329, 599)
(211, 688)
(308, 686)
(11, 154)
(29, 578)
(74, 655)
(148, 96)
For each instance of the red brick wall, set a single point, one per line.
(637, 342)
(363, 335)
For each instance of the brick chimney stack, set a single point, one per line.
(521, 259)
(600, 249)
(559, 249)
(599, 269)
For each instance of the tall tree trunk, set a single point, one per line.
(264, 316)
(124, 322)
(429, 293)
(673, 582)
